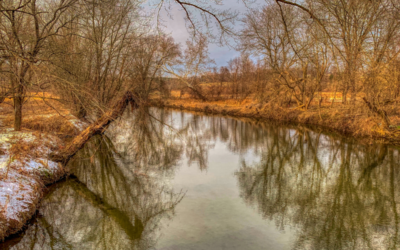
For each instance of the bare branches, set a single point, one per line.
(357, 31)
(204, 19)
(184, 4)
(193, 63)
(97, 127)
(381, 113)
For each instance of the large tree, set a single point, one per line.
(26, 28)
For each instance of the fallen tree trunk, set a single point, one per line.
(381, 113)
(98, 127)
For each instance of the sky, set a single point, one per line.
(175, 27)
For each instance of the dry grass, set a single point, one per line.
(22, 149)
(43, 115)
(353, 120)
(36, 103)
(327, 96)
(54, 124)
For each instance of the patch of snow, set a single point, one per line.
(17, 195)
(40, 164)
(4, 161)
(21, 181)
(78, 124)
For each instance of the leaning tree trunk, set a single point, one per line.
(98, 127)
(381, 113)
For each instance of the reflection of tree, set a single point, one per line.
(338, 194)
(145, 140)
(120, 192)
(116, 200)
(132, 230)
(198, 141)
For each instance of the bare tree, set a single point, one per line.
(26, 28)
(349, 26)
(147, 56)
(194, 61)
(296, 54)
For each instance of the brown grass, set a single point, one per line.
(54, 124)
(22, 149)
(352, 120)
(43, 115)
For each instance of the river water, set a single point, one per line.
(162, 179)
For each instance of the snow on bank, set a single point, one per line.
(23, 178)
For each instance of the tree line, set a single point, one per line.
(293, 50)
(88, 52)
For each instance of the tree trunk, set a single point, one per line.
(18, 99)
(353, 91)
(344, 95)
(98, 127)
(334, 96)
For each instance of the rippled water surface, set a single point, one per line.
(164, 179)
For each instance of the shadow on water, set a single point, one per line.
(331, 192)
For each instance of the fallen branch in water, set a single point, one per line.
(98, 127)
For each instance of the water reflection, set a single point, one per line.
(116, 196)
(337, 194)
(325, 191)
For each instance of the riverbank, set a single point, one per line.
(25, 168)
(356, 121)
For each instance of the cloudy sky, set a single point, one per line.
(175, 26)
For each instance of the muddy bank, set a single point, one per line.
(342, 120)
(25, 170)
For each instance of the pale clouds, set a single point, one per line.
(174, 24)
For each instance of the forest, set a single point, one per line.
(85, 55)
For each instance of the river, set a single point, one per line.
(162, 179)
